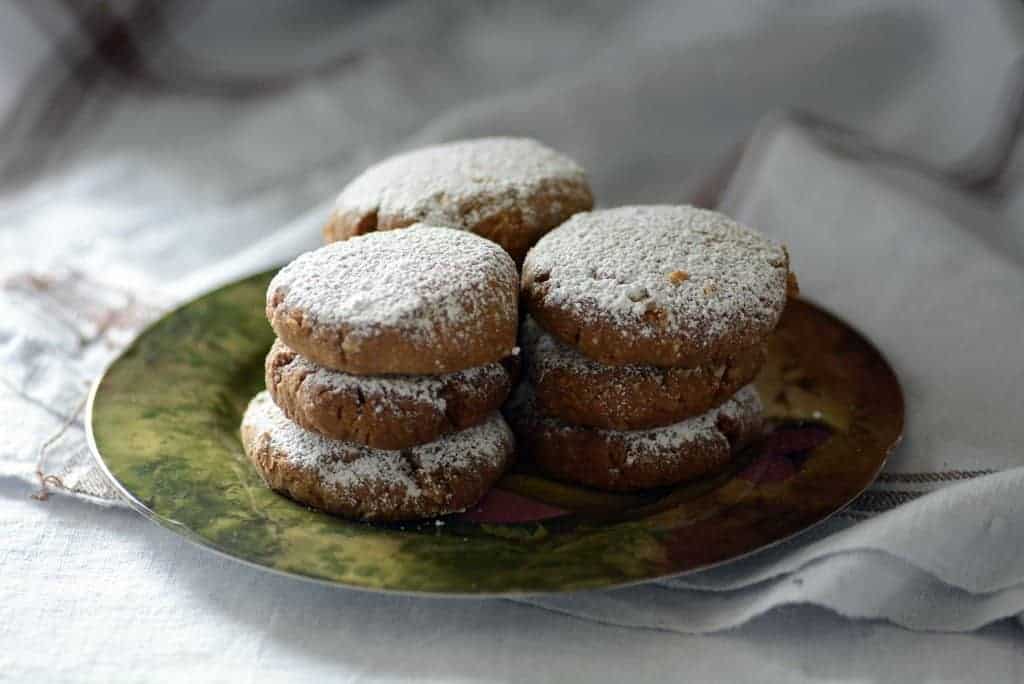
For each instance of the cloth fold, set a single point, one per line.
(858, 584)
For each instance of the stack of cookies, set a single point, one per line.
(646, 325)
(397, 348)
(395, 351)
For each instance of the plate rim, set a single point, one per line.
(183, 531)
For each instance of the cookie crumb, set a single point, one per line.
(637, 293)
(677, 277)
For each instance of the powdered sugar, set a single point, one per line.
(424, 282)
(345, 465)
(662, 270)
(460, 184)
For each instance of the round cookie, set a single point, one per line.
(386, 411)
(625, 461)
(578, 390)
(354, 481)
(509, 190)
(659, 285)
(424, 300)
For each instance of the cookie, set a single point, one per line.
(508, 190)
(671, 286)
(385, 411)
(639, 459)
(577, 389)
(415, 301)
(354, 481)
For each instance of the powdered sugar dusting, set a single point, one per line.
(662, 269)
(345, 465)
(427, 283)
(460, 184)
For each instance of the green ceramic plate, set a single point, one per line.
(164, 422)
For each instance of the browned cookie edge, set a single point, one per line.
(616, 460)
(516, 228)
(378, 502)
(639, 397)
(368, 413)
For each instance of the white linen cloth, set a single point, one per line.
(217, 153)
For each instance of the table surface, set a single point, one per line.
(90, 590)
